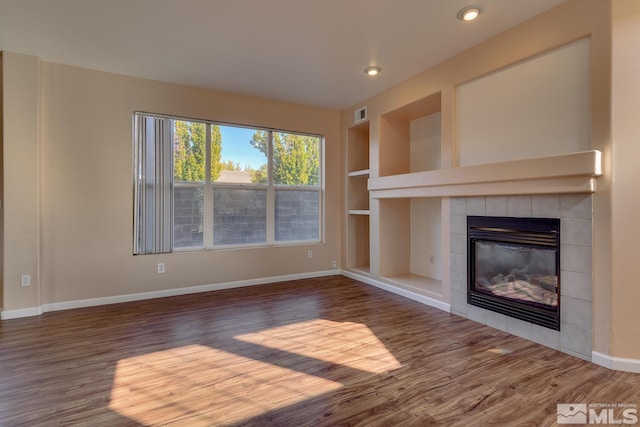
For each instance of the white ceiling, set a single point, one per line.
(304, 51)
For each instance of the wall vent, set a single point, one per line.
(360, 114)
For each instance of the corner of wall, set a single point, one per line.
(20, 178)
(625, 224)
(1, 185)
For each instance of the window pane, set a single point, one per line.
(296, 159)
(188, 217)
(297, 215)
(239, 216)
(238, 155)
(189, 151)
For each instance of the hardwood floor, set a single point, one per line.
(317, 352)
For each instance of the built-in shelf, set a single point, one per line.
(566, 173)
(410, 137)
(410, 236)
(358, 235)
(364, 269)
(410, 229)
(360, 173)
(358, 147)
(358, 194)
(418, 284)
(358, 224)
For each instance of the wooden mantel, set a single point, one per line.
(561, 174)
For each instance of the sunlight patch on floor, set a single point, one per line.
(343, 343)
(200, 385)
(500, 351)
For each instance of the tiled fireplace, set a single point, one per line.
(576, 313)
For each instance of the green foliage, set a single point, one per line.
(259, 176)
(216, 152)
(260, 141)
(229, 165)
(296, 158)
(189, 154)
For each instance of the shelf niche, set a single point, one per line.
(358, 247)
(358, 222)
(411, 244)
(411, 228)
(410, 137)
(358, 193)
(358, 149)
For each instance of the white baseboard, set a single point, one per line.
(616, 363)
(399, 291)
(21, 312)
(66, 305)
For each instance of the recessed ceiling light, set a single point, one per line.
(372, 71)
(469, 13)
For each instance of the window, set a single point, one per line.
(201, 185)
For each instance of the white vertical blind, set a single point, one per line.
(153, 171)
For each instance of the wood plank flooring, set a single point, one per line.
(316, 352)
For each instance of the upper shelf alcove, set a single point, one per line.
(410, 137)
(358, 149)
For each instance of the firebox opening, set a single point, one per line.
(514, 267)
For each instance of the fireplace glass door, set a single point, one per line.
(519, 273)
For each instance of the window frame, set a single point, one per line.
(209, 187)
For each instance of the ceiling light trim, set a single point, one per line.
(373, 70)
(469, 13)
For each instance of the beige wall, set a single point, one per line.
(567, 23)
(21, 156)
(625, 97)
(1, 191)
(425, 235)
(86, 190)
(525, 111)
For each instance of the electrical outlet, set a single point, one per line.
(334, 264)
(432, 259)
(25, 280)
(161, 267)
(310, 254)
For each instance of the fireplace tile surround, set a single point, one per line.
(514, 266)
(575, 213)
